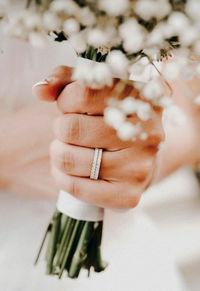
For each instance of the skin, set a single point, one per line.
(24, 151)
(25, 137)
(127, 168)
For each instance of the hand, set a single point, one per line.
(24, 151)
(127, 168)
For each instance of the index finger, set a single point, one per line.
(51, 87)
(77, 98)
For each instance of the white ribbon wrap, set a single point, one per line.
(73, 207)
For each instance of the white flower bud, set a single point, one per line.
(32, 20)
(133, 35)
(97, 37)
(102, 76)
(178, 21)
(71, 26)
(165, 101)
(67, 6)
(193, 9)
(143, 110)
(127, 131)
(152, 90)
(129, 105)
(189, 35)
(118, 63)
(114, 117)
(171, 71)
(92, 74)
(51, 21)
(36, 39)
(78, 42)
(147, 9)
(114, 7)
(174, 115)
(86, 16)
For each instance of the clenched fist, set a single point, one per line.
(127, 167)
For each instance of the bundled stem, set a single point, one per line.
(72, 245)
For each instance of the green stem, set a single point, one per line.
(80, 254)
(94, 250)
(69, 246)
(43, 241)
(53, 241)
(65, 240)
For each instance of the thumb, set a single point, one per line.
(51, 87)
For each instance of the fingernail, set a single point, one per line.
(41, 83)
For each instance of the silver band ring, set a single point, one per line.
(96, 164)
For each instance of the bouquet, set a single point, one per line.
(127, 39)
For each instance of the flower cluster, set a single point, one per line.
(126, 38)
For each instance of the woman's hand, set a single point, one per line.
(127, 168)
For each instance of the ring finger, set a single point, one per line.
(77, 161)
(115, 166)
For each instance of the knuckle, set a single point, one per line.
(126, 200)
(145, 170)
(68, 162)
(60, 128)
(155, 139)
(85, 98)
(62, 157)
(72, 128)
(72, 186)
(131, 200)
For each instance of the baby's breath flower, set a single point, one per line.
(114, 7)
(33, 20)
(51, 21)
(152, 90)
(78, 42)
(132, 35)
(193, 9)
(165, 101)
(174, 115)
(143, 110)
(129, 105)
(189, 35)
(148, 9)
(118, 63)
(114, 117)
(86, 17)
(92, 74)
(178, 21)
(97, 37)
(71, 26)
(36, 39)
(68, 6)
(171, 71)
(128, 130)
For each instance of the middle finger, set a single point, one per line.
(88, 131)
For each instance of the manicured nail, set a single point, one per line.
(45, 82)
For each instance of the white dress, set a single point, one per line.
(138, 258)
